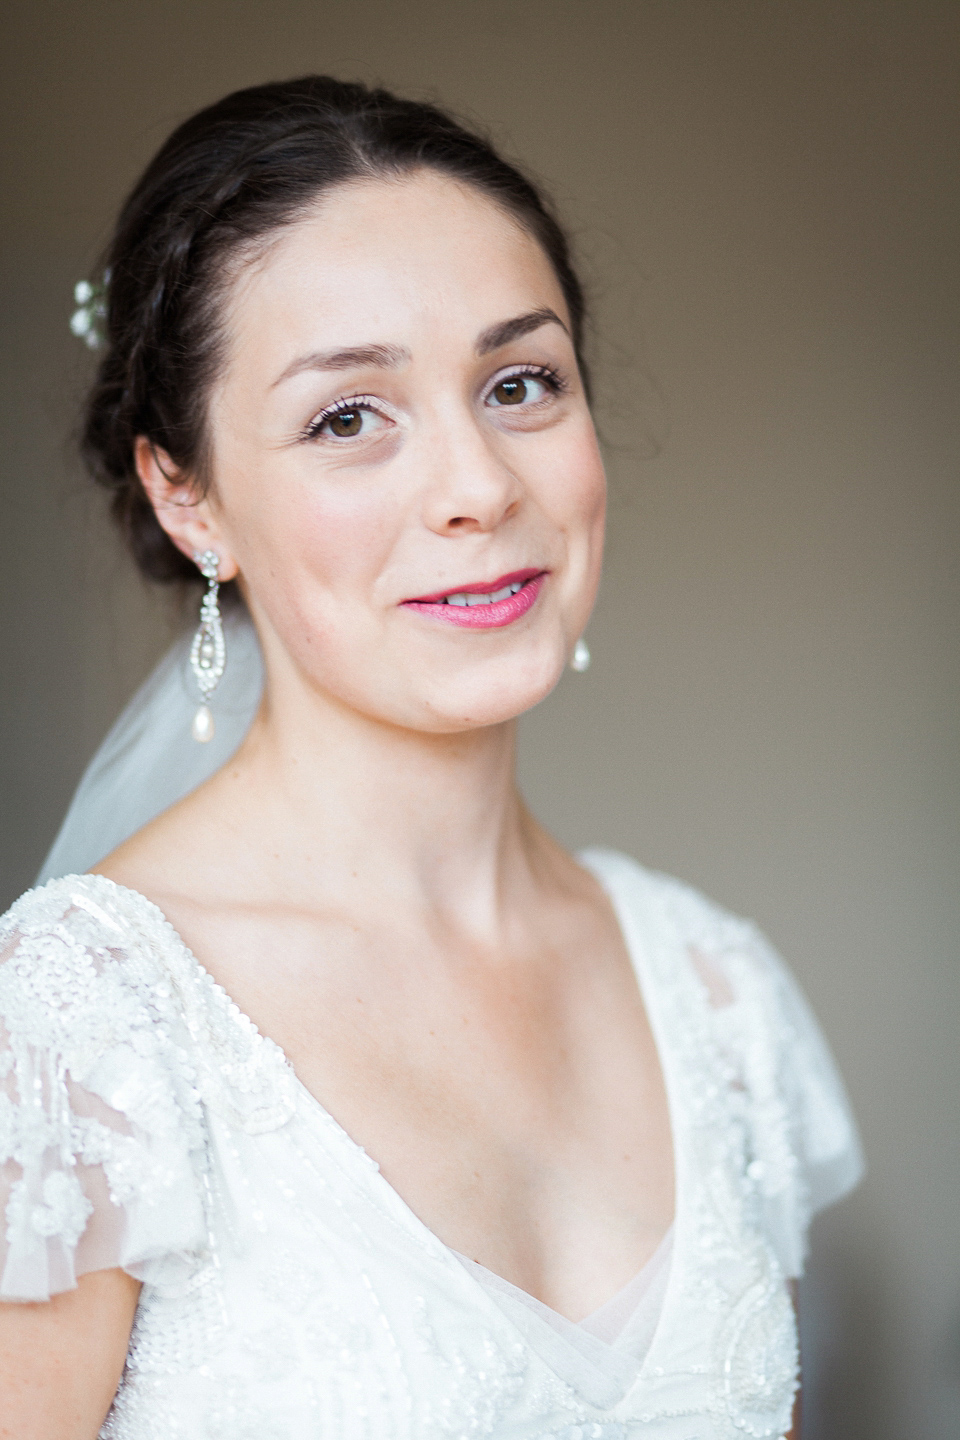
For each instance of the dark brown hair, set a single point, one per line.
(218, 189)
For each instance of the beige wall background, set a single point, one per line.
(764, 196)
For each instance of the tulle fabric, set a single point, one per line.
(149, 759)
(603, 1354)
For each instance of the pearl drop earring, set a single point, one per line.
(208, 653)
(580, 659)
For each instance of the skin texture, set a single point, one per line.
(60, 1362)
(363, 878)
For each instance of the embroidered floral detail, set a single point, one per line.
(759, 1359)
(64, 1210)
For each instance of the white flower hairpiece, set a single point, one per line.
(86, 320)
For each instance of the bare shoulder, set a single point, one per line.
(208, 865)
(181, 856)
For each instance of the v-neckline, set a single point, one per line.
(389, 1198)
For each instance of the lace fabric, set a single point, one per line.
(101, 1137)
(289, 1291)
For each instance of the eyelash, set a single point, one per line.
(346, 402)
(552, 378)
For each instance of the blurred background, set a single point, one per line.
(764, 198)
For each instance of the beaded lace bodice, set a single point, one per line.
(288, 1291)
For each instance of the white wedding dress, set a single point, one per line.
(288, 1291)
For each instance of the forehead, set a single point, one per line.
(386, 260)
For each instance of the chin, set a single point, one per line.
(493, 693)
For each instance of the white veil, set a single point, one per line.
(149, 759)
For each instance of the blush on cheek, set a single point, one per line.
(335, 540)
(576, 479)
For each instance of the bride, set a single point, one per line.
(533, 1143)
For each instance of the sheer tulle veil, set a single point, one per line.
(149, 759)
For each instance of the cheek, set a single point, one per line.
(578, 491)
(317, 544)
(574, 486)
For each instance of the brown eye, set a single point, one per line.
(346, 423)
(510, 392)
(355, 419)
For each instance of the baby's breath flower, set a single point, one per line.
(91, 301)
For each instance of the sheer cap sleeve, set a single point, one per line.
(806, 1150)
(102, 1148)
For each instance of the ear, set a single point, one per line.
(187, 517)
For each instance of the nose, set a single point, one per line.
(470, 487)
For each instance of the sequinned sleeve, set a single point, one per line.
(817, 1111)
(101, 1129)
(803, 1149)
(804, 1144)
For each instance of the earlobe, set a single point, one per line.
(183, 514)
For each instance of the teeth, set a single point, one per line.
(461, 598)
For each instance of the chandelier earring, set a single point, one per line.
(580, 659)
(208, 653)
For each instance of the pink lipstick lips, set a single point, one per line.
(483, 606)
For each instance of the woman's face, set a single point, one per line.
(406, 474)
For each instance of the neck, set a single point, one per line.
(348, 802)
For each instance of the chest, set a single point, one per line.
(517, 1107)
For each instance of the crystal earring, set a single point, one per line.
(580, 659)
(208, 653)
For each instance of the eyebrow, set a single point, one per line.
(388, 357)
(384, 357)
(506, 330)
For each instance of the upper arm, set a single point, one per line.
(61, 1359)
